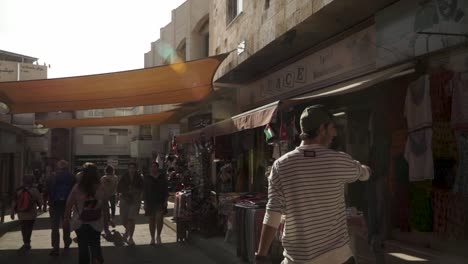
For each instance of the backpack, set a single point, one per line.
(91, 212)
(25, 201)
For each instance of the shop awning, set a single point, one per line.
(107, 121)
(265, 114)
(247, 120)
(354, 85)
(170, 84)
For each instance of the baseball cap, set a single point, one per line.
(314, 116)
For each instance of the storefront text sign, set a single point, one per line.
(355, 52)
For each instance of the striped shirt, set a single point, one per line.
(307, 185)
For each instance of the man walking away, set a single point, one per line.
(25, 202)
(109, 185)
(307, 185)
(155, 196)
(59, 187)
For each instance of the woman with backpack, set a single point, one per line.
(24, 203)
(87, 202)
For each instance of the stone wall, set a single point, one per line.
(257, 25)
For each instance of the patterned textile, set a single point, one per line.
(450, 214)
(441, 95)
(421, 206)
(461, 181)
(459, 102)
(444, 143)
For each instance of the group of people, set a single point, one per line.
(307, 185)
(86, 203)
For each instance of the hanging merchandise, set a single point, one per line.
(444, 143)
(283, 133)
(418, 153)
(195, 148)
(460, 102)
(421, 206)
(461, 180)
(450, 214)
(159, 160)
(174, 145)
(276, 151)
(225, 178)
(418, 109)
(209, 145)
(292, 131)
(269, 133)
(441, 95)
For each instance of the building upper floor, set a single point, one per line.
(185, 38)
(267, 33)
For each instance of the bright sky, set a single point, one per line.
(80, 37)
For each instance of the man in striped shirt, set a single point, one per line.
(307, 185)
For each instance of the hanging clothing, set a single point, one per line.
(441, 95)
(444, 143)
(418, 109)
(460, 102)
(418, 153)
(421, 218)
(461, 180)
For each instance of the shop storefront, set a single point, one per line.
(394, 110)
(427, 209)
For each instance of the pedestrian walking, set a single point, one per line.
(59, 186)
(130, 188)
(155, 197)
(24, 203)
(38, 182)
(109, 183)
(307, 185)
(47, 176)
(86, 201)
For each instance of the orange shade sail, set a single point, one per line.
(176, 83)
(107, 121)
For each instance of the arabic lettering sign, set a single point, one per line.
(32, 72)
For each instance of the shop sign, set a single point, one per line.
(353, 53)
(401, 28)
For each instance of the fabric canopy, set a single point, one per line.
(170, 84)
(107, 121)
(247, 120)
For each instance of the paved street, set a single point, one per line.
(114, 251)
